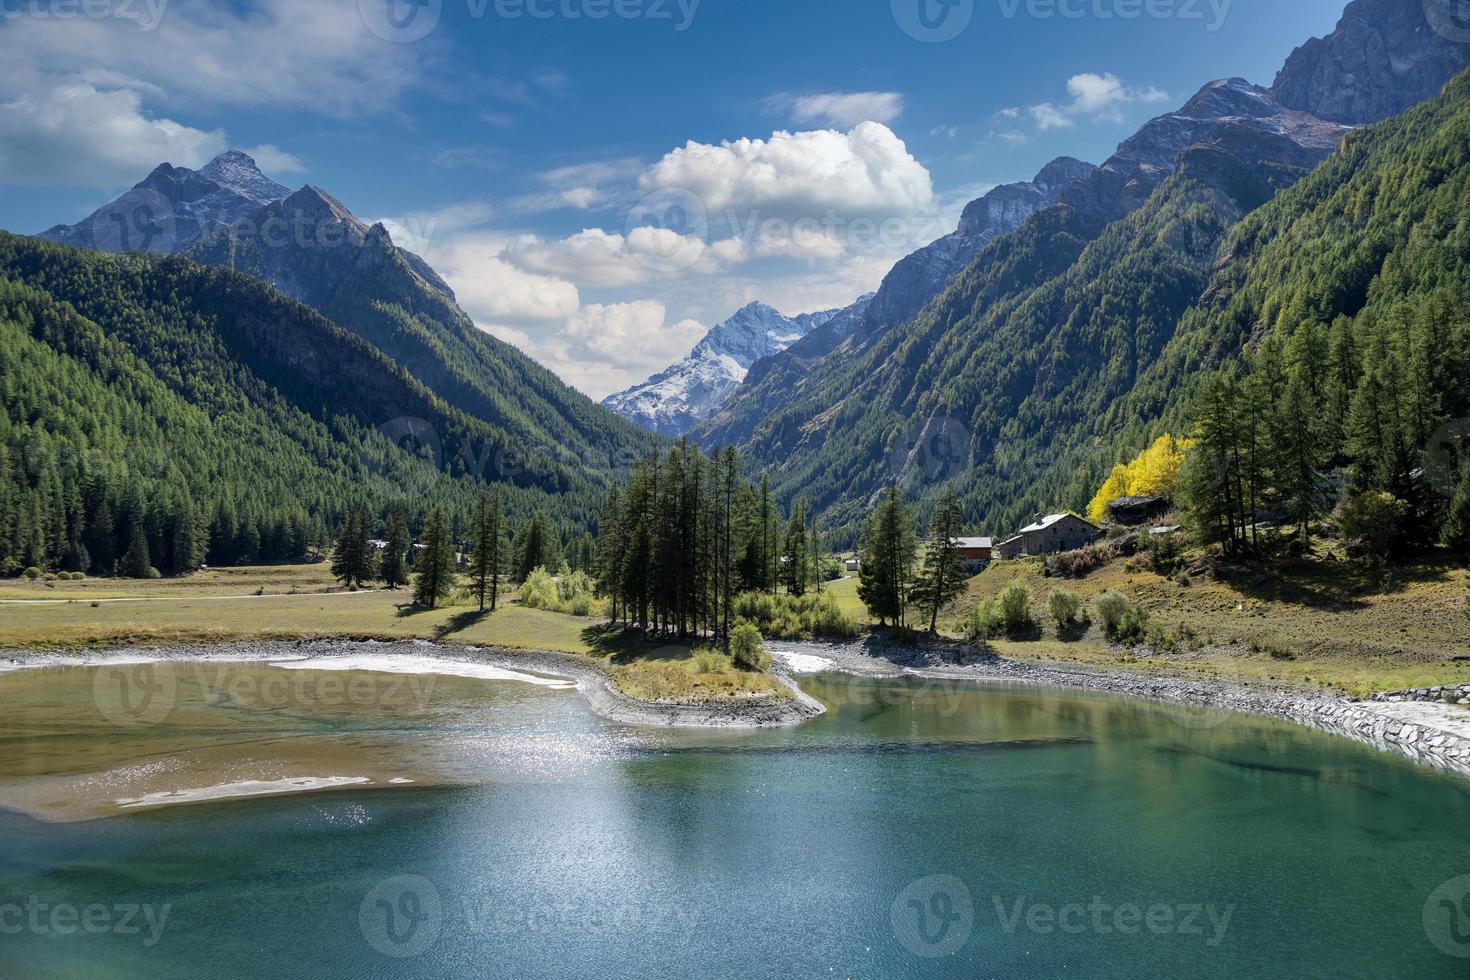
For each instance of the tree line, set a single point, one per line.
(688, 533)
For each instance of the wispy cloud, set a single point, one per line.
(841, 110)
(1098, 98)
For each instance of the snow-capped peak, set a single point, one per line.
(695, 388)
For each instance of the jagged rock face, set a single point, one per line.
(1384, 56)
(173, 207)
(307, 246)
(919, 277)
(1229, 108)
(694, 388)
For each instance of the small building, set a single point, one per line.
(852, 565)
(1137, 511)
(1050, 536)
(976, 553)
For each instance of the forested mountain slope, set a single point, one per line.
(198, 404)
(1047, 341)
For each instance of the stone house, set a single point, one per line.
(1049, 536)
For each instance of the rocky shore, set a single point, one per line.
(1433, 734)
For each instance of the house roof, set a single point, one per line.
(973, 542)
(1010, 541)
(1047, 522)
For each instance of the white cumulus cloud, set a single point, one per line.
(78, 135)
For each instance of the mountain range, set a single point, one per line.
(311, 248)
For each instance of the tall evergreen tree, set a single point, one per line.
(941, 578)
(487, 563)
(436, 563)
(352, 557)
(393, 569)
(136, 562)
(795, 556)
(888, 559)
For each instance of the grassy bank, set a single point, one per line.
(1310, 622)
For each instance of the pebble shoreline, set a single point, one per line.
(1431, 733)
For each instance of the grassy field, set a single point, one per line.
(214, 581)
(1307, 622)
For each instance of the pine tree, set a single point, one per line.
(436, 563)
(942, 576)
(887, 559)
(137, 563)
(393, 570)
(352, 557)
(795, 557)
(485, 568)
(535, 548)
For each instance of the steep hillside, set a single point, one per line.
(1050, 350)
(155, 394)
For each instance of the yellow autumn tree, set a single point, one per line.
(1155, 473)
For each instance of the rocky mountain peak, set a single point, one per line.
(237, 171)
(1383, 57)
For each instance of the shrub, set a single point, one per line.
(710, 662)
(1065, 607)
(747, 648)
(1166, 554)
(787, 617)
(1085, 561)
(1373, 521)
(570, 594)
(31, 573)
(1015, 607)
(1124, 620)
(984, 622)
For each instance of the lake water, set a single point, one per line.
(918, 830)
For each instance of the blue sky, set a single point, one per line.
(513, 149)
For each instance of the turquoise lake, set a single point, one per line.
(917, 830)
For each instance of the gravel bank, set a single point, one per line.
(591, 682)
(1433, 735)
